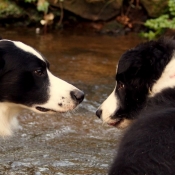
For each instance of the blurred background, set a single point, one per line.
(149, 18)
(83, 41)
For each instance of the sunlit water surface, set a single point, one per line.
(75, 143)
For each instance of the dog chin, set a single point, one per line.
(120, 123)
(40, 109)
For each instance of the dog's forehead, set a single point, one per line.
(25, 48)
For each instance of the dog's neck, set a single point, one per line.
(8, 121)
(167, 79)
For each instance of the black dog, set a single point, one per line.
(26, 82)
(145, 90)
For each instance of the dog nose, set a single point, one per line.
(77, 95)
(98, 113)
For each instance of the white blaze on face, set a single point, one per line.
(59, 95)
(109, 107)
(60, 99)
(58, 91)
(167, 79)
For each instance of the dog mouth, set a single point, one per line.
(41, 109)
(115, 122)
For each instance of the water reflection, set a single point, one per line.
(76, 142)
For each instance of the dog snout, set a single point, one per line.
(99, 113)
(77, 95)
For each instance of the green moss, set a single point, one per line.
(9, 8)
(158, 25)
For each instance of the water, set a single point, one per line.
(75, 143)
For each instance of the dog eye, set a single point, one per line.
(120, 85)
(39, 72)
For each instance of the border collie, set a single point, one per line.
(145, 91)
(27, 83)
(141, 72)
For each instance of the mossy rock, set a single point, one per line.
(10, 9)
(19, 13)
(155, 8)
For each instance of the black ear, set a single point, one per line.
(1, 38)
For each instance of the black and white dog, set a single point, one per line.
(26, 82)
(141, 72)
(145, 91)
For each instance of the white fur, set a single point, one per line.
(167, 79)
(111, 104)
(58, 91)
(26, 48)
(109, 107)
(8, 121)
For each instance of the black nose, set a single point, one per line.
(98, 113)
(77, 95)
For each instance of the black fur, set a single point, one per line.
(18, 76)
(138, 69)
(27, 83)
(148, 146)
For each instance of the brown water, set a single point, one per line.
(75, 143)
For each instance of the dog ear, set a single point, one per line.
(135, 66)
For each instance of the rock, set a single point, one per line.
(154, 7)
(91, 9)
(9, 9)
(18, 13)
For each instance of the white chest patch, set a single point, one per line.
(167, 79)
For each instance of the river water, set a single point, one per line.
(75, 143)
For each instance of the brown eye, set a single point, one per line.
(120, 86)
(39, 72)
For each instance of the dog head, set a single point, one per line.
(26, 81)
(141, 70)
